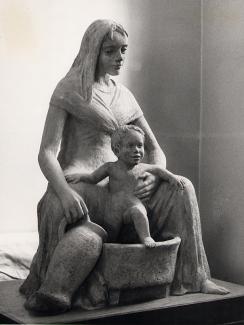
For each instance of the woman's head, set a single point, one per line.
(94, 57)
(112, 54)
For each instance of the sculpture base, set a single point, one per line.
(188, 309)
(137, 295)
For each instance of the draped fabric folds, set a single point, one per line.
(171, 212)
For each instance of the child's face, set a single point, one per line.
(131, 151)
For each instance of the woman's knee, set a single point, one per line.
(81, 237)
(188, 186)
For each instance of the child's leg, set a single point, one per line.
(138, 215)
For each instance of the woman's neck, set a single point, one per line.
(103, 81)
(104, 84)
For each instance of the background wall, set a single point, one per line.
(165, 41)
(222, 137)
(38, 43)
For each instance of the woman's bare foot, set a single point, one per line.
(149, 242)
(42, 303)
(212, 288)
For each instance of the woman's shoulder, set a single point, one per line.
(125, 92)
(67, 84)
(122, 87)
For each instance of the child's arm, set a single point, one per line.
(166, 175)
(92, 178)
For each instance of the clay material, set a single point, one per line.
(56, 292)
(134, 265)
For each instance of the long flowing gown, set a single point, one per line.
(171, 212)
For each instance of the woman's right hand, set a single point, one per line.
(74, 206)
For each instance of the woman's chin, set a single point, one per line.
(134, 162)
(115, 72)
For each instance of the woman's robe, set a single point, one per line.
(171, 212)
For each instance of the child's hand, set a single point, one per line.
(73, 178)
(177, 181)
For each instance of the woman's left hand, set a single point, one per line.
(149, 185)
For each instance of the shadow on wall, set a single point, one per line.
(222, 139)
(164, 74)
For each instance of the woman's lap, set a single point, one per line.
(175, 213)
(172, 212)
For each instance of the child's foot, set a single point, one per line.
(149, 242)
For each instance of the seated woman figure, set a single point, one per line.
(85, 108)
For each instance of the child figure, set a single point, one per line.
(127, 143)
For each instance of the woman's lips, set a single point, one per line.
(117, 67)
(136, 157)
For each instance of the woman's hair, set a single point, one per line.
(121, 132)
(86, 60)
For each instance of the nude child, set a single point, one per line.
(128, 145)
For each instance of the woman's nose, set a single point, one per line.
(119, 56)
(136, 149)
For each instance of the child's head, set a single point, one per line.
(128, 144)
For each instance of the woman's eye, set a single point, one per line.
(109, 52)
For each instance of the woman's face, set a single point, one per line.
(112, 55)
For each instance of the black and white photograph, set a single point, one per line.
(122, 162)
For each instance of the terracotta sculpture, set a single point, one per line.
(128, 145)
(85, 108)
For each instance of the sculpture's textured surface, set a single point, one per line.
(134, 265)
(85, 109)
(124, 175)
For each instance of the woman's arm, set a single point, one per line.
(73, 204)
(47, 157)
(154, 153)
